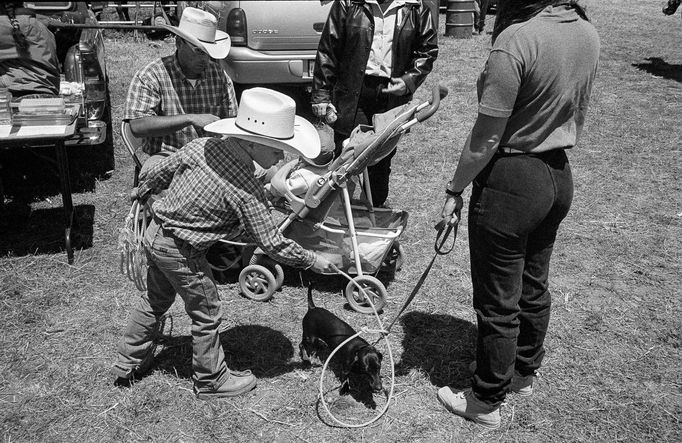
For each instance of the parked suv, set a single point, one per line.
(273, 42)
(83, 77)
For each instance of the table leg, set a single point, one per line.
(65, 181)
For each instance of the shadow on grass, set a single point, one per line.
(31, 174)
(439, 345)
(263, 350)
(26, 231)
(660, 68)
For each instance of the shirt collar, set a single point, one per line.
(238, 147)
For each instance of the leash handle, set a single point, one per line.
(442, 237)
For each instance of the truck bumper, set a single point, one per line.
(246, 66)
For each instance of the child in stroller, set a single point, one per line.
(304, 171)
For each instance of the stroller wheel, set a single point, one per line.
(257, 283)
(372, 287)
(271, 265)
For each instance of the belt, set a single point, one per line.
(510, 151)
(158, 222)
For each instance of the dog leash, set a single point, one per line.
(439, 244)
(384, 335)
(441, 238)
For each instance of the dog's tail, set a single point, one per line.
(311, 304)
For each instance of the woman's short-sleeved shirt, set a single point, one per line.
(539, 75)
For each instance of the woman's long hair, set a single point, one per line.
(518, 11)
(9, 9)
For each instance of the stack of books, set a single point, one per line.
(45, 111)
(5, 110)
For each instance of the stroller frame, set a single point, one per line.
(257, 280)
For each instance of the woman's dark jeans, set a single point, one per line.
(517, 204)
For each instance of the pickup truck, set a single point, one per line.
(273, 42)
(83, 78)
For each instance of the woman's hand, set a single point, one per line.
(452, 210)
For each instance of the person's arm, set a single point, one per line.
(160, 175)
(477, 152)
(160, 125)
(229, 105)
(329, 51)
(259, 225)
(423, 57)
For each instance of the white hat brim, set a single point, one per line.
(305, 142)
(218, 50)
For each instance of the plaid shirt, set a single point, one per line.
(213, 194)
(160, 88)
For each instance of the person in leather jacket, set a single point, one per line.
(372, 56)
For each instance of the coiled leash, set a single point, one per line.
(441, 239)
(384, 334)
(133, 261)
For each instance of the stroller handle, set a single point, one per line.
(438, 92)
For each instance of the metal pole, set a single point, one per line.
(57, 24)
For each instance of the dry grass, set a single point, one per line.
(613, 363)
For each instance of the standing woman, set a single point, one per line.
(533, 96)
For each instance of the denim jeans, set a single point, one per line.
(517, 204)
(174, 266)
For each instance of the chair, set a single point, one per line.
(132, 144)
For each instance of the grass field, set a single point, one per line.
(613, 365)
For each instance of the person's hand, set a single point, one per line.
(452, 211)
(322, 265)
(134, 195)
(201, 120)
(327, 111)
(397, 87)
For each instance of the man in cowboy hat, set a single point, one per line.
(173, 98)
(212, 194)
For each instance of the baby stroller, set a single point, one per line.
(357, 238)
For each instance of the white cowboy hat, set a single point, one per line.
(269, 117)
(199, 28)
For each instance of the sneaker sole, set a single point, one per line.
(211, 395)
(468, 417)
(522, 393)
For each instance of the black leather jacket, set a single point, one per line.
(344, 49)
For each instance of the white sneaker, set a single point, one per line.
(465, 404)
(519, 384)
(523, 385)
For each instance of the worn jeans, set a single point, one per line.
(517, 204)
(174, 266)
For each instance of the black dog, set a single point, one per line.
(356, 356)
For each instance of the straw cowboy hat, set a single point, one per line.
(269, 117)
(199, 28)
